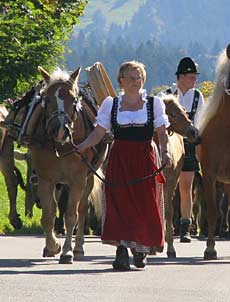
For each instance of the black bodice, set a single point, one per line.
(133, 132)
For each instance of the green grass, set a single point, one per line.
(30, 225)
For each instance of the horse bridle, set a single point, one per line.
(59, 113)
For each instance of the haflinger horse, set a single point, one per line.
(214, 150)
(180, 126)
(12, 175)
(67, 122)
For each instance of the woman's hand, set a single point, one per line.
(94, 138)
(166, 159)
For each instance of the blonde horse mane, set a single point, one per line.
(59, 75)
(212, 103)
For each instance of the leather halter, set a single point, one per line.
(59, 113)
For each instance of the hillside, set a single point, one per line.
(155, 32)
(114, 11)
(177, 22)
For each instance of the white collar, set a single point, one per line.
(143, 94)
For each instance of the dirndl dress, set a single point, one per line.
(133, 214)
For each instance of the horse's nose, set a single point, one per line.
(198, 140)
(193, 132)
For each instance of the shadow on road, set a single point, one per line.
(36, 266)
(187, 261)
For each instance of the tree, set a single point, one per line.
(33, 33)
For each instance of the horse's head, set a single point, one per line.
(60, 101)
(179, 121)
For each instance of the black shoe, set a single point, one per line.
(122, 259)
(184, 231)
(185, 238)
(139, 260)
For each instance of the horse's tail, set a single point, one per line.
(19, 178)
(95, 196)
(198, 177)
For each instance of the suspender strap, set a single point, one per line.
(150, 113)
(169, 91)
(150, 108)
(114, 113)
(194, 105)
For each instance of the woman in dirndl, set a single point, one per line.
(133, 215)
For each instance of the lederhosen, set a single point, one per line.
(190, 160)
(132, 213)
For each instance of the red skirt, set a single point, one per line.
(132, 213)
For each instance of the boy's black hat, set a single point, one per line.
(187, 65)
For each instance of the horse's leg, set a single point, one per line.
(228, 217)
(82, 213)
(210, 194)
(176, 212)
(222, 204)
(227, 196)
(169, 190)
(197, 192)
(62, 193)
(45, 192)
(7, 168)
(30, 199)
(71, 218)
(195, 208)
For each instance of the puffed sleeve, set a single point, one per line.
(160, 117)
(104, 113)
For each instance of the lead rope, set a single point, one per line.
(108, 183)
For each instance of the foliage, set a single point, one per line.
(206, 88)
(33, 33)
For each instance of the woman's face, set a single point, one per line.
(132, 80)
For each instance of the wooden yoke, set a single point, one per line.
(99, 82)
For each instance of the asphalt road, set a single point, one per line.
(26, 276)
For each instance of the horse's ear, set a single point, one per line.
(75, 75)
(228, 51)
(44, 73)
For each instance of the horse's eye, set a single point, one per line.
(173, 114)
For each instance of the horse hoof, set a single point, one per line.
(66, 259)
(171, 255)
(78, 255)
(210, 255)
(48, 253)
(16, 223)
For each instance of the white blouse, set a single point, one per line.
(131, 117)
